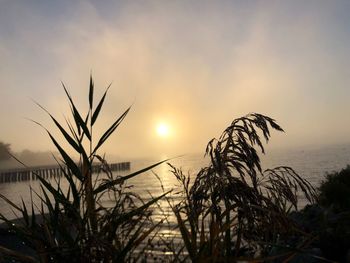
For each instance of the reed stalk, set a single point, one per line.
(75, 225)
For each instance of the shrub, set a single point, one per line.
(334, 198)
(334, 191)
(328, 219)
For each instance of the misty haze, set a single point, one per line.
(174, 131)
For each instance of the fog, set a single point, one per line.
(195, 65)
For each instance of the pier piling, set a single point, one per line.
(32, 173)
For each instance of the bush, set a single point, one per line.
(328, 220)
(334, 192)
(334, 197)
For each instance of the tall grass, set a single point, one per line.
(234, 210)
(231, 210)
(74, 225)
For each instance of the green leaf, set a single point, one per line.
(25, 213)
(83, 152)
(146, 233)
(32, 204)
(10, 203)
(76, 197)
(47, 201)
(70, 126)
(91, 92)
(69, 162)
(69, 139)
(77, 117)
(56, 194)
(111, 130)
(134, 212)
(120, 257)
(110, 184)
(99, 106)
(185, 235)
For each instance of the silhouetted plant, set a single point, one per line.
(334, 191)
(331, 224)
(75, 225)
(234, 209)
(331, 231)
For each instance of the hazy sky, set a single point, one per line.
(195, 65)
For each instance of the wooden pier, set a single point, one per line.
(31, 173)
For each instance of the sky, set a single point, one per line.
(193, 65)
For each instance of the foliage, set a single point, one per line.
(328, 219)
(75, 225)
(4, 151)
(331, 231)
(334, 191)
(235, 210)
(334, 197)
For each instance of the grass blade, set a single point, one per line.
(69, 139)
(77, 117)
(91, 92)
(110, 184)
(69, 162)
(99, 106)
(111, 130)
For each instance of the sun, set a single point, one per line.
(163, 130)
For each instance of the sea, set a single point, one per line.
(312, 163)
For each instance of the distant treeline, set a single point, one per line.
(4, 150)
(28, 157)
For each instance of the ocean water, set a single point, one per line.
(311, 163)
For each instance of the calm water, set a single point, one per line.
(312, 163)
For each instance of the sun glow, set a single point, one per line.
(162, 130)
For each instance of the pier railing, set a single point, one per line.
(49, 171)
